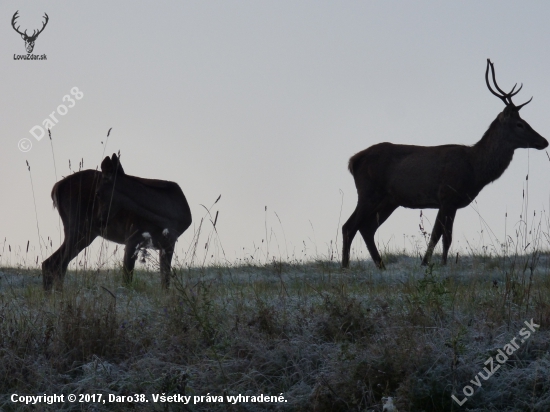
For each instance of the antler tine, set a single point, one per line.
(512, 93)
(521, 105)
(503, 98)
(504, 94)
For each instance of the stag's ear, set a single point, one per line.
(506, 113)
(107, 168)
(509, 111)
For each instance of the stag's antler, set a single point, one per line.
(505, 97)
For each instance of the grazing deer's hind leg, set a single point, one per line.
(55, 267)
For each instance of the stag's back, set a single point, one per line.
(414, 176)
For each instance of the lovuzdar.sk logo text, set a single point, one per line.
(29, 39)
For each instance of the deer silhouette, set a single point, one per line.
(447, 177)
(129, 210)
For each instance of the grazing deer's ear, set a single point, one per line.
(116, 164)
(107, 168)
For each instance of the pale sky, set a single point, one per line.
(264, 103)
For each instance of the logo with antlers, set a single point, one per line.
(29, 40)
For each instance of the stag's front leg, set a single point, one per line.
(447, 224)
(434, 238)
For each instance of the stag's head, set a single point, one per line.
(517, 131)
(29, 40)
(107, 197)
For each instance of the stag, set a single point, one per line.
(29, 40)
(447, 177)
(139, 213)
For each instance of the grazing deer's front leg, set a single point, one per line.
(165, 257)
(130, 256)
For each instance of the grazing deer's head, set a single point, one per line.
(29, 40)
(519, 133)
(105, 193)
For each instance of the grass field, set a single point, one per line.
(326, 339)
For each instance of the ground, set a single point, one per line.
(321, 338)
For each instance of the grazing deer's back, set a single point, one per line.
(76, 190)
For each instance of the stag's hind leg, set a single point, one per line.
(367, 204)
(368, 228)
(349, 230)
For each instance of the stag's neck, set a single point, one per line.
(492, 157)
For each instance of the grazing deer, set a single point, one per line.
(129, 210)
(447, 177)
(29, 40)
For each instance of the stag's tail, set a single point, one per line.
(354, 162)
(55, 189)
